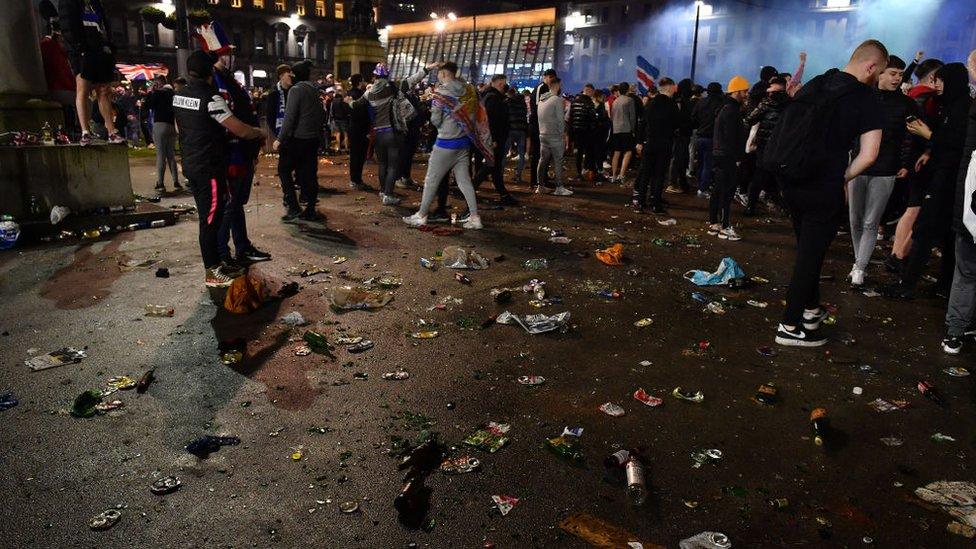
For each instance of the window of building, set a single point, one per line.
(300, 6)
(214, 2)
(236, 38)
(588, 16)
(320, 49)
(340, 12)
(711, 58)
(259, 4)
(604, 41)
(279, 5)
(746, 31)
(624, 10)
(320, 8)
(281, 43)
(622, 39)
(301, 48)
(713, 34)
(586, 42)
(150, 34)
(236, 3)
(605, 15)
(406, 8)
(729, 33)
(118, 32)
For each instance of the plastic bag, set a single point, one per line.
(536, 324)
(349, 299)
(58, 213)
(613, 255)
(459, 258)
(727, 270)
(245, 295)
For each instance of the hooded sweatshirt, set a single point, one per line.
(967, 154)
(949, 139)
(378, 97)
(552, 116)
(447, 127)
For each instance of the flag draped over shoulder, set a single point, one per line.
(646, 75)
(468, 112)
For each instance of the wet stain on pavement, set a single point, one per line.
(88, 278)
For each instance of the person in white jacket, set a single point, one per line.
(552, 129)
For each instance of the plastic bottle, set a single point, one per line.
(9, 232)
(159, 310)
(635, 481)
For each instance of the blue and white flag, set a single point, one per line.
(646, 75)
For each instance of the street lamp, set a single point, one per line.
(694, 47)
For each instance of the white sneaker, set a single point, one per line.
(415, 220)
(539, 189)
(389, 199)
(857, 277)
(401, 183)
(729, 234)
(473, 222)
(714, 229)
(562, 191)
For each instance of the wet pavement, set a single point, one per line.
(61, 471)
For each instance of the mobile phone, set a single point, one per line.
(910, 118)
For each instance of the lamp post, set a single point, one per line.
(694, 47)
(182, 38)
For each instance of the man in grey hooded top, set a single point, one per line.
(388, 140)
(451, 151)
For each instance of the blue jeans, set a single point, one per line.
(517, 137)
(233, 222)
(704, 151)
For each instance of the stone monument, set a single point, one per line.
(81, 178)
(359, 49)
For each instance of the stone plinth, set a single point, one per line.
(81, 178)
(353, 54)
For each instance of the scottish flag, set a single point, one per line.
(646, 75)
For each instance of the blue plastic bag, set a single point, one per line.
(727, 270)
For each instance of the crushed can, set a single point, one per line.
(766, 394)
(820, 424)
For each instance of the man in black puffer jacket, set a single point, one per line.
(766, 114)
(961, 314)
(728, 150)
(703, 118)
(582, 123)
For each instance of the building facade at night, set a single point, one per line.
(518, 44)
(599, 40)
(265, 33)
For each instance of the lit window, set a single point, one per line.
(320, 8)
(339, 10)
(236, 3)
(300, 6)
(279, 5)
(259, 4)
(214, 2)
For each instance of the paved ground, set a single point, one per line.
(59, 471)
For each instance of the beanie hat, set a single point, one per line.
(737, 83)
(714, 88)
(381, 70)
(302, 70)
(767, 72)
(199, 64)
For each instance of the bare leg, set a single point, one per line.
(615, 165)
(83, 103)
(903, 233)
(624, 164)
(104, 92)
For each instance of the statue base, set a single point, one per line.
(357, 54)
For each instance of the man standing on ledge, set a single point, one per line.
(203, 116)
(298, 141)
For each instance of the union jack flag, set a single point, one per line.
(142, 72)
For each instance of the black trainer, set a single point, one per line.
(892, 264)
(508, 200)
(253, 255)
(811, 321)
(310, 215)
(952, 345)
(438, 217)
(659, 209)
(798, 337)
(291, 215)
(231, 267)
(896, 291)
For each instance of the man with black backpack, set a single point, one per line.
(385, 99)
(809, 151)
(497, 110)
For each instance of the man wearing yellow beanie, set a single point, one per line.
(728, 148)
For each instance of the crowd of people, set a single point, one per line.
(874, 145)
